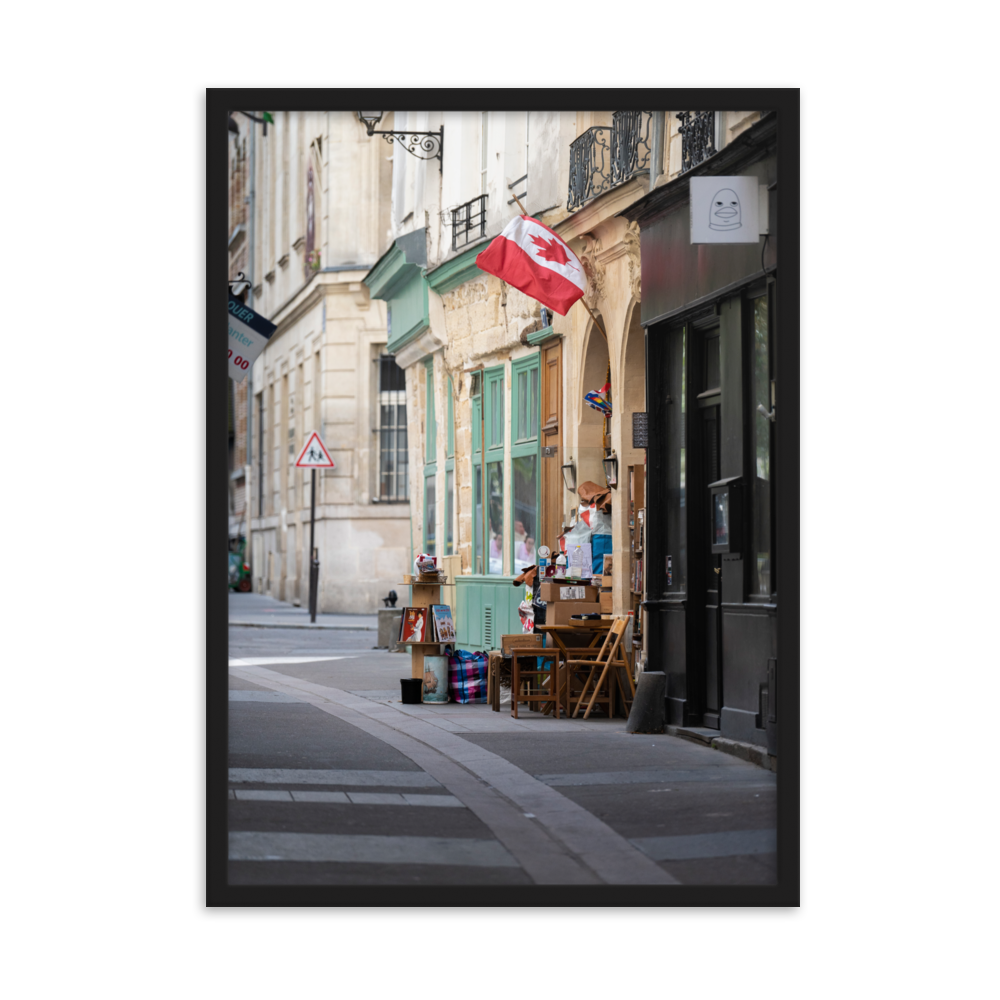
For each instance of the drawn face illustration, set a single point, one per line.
(724, 212)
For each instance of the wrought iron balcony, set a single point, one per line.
(468, 222)
(697, 129)
(602, 157)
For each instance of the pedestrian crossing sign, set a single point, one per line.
(314, 455)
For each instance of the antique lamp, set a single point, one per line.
(611, 469)
(569, 476)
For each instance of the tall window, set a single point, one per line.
(494, 468)
(484, 146)
(260, 454)
(491, 397)
(525, 458)
(449, 477)
(394, 483)
(762, 575)
(430, 467)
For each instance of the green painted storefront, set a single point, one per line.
(485, 606)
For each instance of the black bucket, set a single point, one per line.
(413, 689)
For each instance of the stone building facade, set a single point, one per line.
(319, 196)
(468, 342)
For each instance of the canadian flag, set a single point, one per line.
(535, 261)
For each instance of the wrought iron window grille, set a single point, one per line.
(468, 222)
(602, 157)
(697, 129)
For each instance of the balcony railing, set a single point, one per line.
(697, 129)
(602, 157)
(468, 222)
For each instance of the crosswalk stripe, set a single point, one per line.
(724, 844)
(322, 776)
(347, 798)
(662, 777)
(248, 845)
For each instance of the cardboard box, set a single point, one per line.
(567, 592)
(607, 580)
(606, 605)
(559, 613)
(519, 640)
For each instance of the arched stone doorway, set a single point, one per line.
(631, 398)
(590, 423)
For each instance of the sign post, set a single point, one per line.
(314, 456)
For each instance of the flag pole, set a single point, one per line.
(597, 322)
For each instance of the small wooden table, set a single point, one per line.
(599, 628)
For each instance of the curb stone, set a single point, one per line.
(747, 751)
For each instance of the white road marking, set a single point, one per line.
(346, 798)
(262, 795)
(340, 797)
(247, 845)
(264, 661)
(316, 776)
(724, 844)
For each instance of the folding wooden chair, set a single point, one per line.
(610, 659)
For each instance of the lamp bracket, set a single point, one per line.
(422, 145)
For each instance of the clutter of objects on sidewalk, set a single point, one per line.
(573, 658)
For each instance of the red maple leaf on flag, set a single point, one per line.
(551, 250)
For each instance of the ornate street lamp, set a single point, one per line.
(422, 145)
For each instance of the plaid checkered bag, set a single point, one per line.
(467, 677)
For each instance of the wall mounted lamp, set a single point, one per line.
(611, 470)
(422, 145)
(234, 129)
(569, 476)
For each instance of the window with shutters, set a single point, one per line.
(449, 477)
(393, 459)
(488, 416)
(430, 465)
(525, 460)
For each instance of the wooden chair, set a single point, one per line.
(541, 683)
(609, 661)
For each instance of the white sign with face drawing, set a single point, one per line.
(725, 210)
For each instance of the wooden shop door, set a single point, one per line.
(551, 445)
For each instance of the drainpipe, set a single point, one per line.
(656, 148)
(247, 478)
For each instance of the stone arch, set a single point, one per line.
(589, 423)
(630, 398)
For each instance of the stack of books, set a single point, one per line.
(433, 624)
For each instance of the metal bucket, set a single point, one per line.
(435, 679)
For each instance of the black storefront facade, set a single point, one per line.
(712, 567)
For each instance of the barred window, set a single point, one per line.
(393, 457)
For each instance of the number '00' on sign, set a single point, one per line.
(239, 362)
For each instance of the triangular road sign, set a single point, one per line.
(314, 455)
